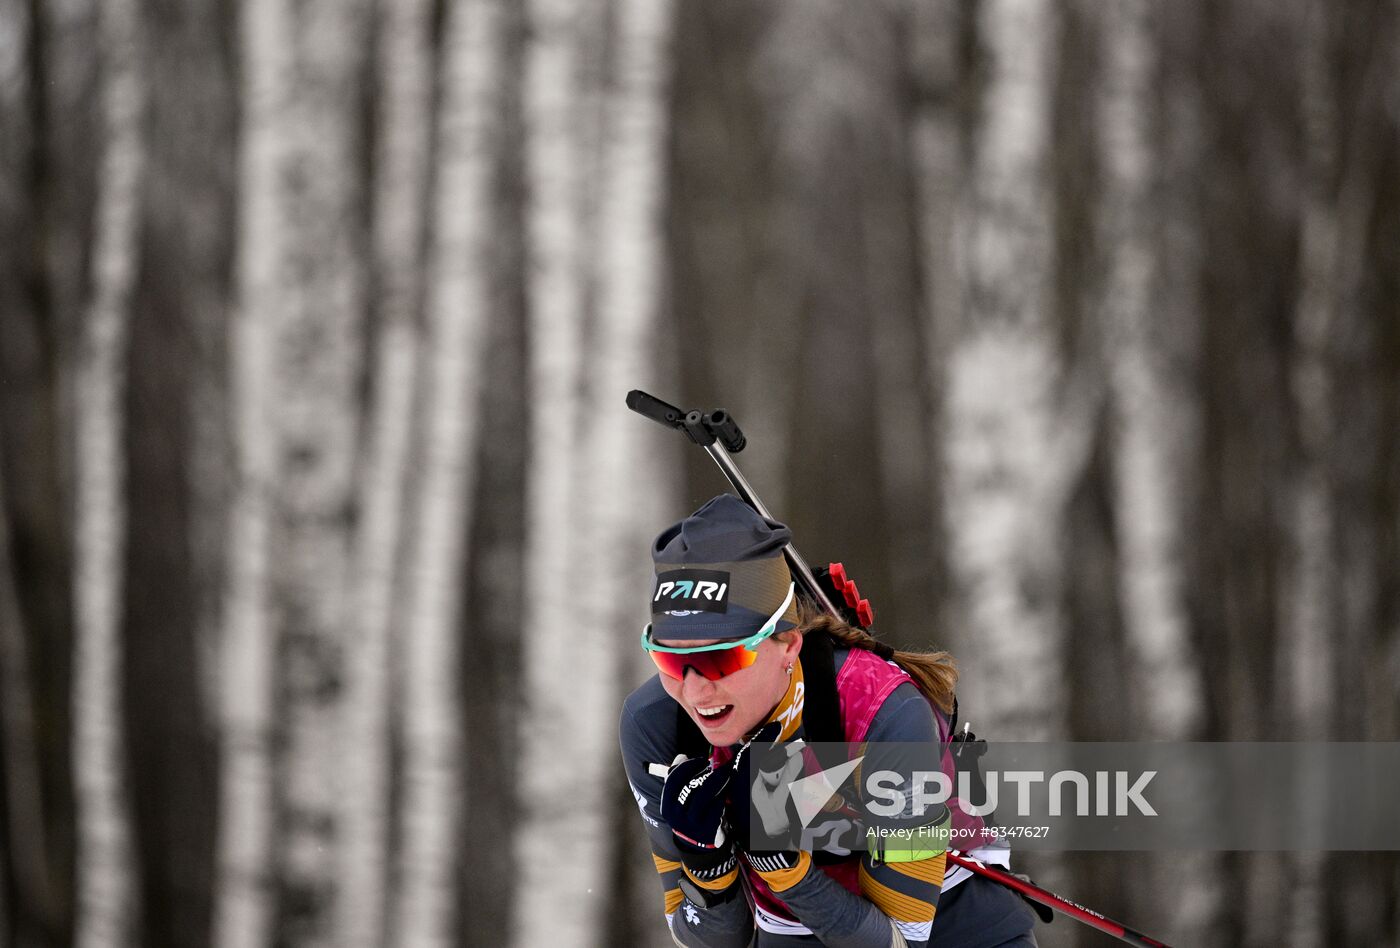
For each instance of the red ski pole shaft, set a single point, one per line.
(1060, 904)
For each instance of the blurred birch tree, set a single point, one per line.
(1018, 416)
(595, 128)
(298, 372)
(405, 68)
(107, 872)
(457, 302)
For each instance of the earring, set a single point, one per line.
(789, 671)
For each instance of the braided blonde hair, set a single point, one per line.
(934, 673)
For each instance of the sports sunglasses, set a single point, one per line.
(713, 661)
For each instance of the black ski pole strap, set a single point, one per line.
(821, 712)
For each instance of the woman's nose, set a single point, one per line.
(696, 684)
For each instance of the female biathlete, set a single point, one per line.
(726, 635)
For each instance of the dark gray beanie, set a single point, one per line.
(720, 573)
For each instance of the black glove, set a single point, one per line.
(693, 802)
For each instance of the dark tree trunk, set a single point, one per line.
(494, 589)
(179, 312)
(45, 229)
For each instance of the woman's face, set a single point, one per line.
(745, 698)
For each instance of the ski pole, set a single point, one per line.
(1057, 902)
(719, 435)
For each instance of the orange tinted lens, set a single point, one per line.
(713, 665)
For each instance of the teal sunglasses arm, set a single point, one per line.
(747, 643)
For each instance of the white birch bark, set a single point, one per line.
(405, 59)
(1312, 607)
(106, 867)
(554, 239)
(1148, 506)
(594, 498)
(1310, 612)
(243, 906)
(1016, 431)
(317, 367)
(1150, 418)
(296, 358)
(423, 913)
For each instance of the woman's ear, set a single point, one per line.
(791, 644)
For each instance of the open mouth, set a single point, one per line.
(715, 716)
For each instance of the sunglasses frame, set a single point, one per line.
(768, 628)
